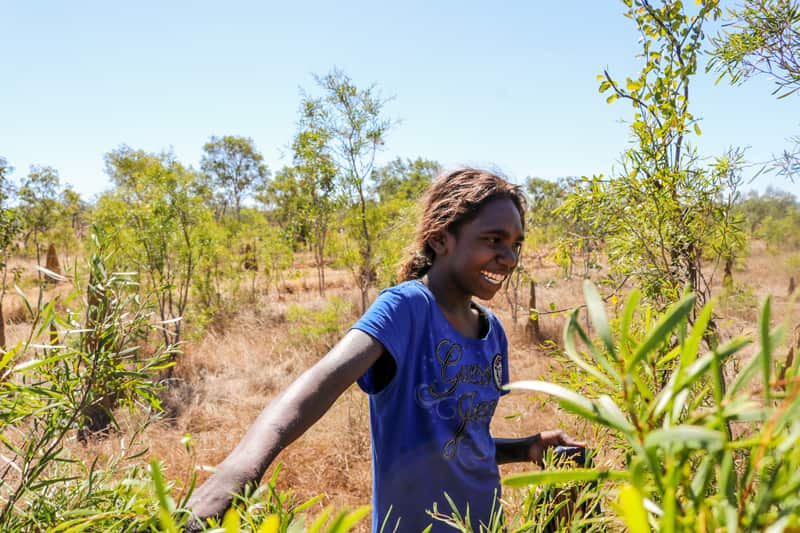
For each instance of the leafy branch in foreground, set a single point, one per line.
(701, 454)
(761, 37)
(49, 386)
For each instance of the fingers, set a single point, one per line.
(566, 440)
(557, 437)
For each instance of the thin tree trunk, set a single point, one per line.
(366, 254)
(534, 332)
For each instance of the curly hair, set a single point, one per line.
(454, 198)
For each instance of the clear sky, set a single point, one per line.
(509, 84)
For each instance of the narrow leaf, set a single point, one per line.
(569, 400)
(571, 350)
(661, 331)
(271, 525)
(559, 477)
(597, 313)
(684, 436)
(631, 505)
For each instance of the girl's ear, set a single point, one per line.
(438, 241)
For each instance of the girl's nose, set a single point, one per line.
(507, 257)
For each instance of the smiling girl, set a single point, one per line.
(433, 363)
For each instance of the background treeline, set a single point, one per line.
(700, 432)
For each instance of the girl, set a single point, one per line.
(433, 363)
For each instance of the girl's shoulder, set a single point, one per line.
(413, 290)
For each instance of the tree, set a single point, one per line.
(404, 179)
(156, 210)
(38, 196)
(316, 171)
(351, 118)
(75, 210)
(663, 214)
(235, 168)
(285, 201)
(759, 208)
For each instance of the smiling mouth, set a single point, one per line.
(494, 279)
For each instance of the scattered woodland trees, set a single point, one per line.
(10, 224)
(317, 195)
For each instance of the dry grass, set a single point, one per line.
(225, 378)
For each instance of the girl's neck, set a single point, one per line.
(456, 306)
(450, 299)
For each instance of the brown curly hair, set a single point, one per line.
(455, 197)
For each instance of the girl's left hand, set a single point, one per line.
(554, 437)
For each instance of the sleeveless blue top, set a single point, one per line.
(430, 424)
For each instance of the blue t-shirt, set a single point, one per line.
(430, 424)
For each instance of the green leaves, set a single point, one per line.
(559, 477)
(687, 437)
(709, 452)
(631, 506)
(659, 334)
(597, 313)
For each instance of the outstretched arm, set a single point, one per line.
(282, 421)
(531, 448)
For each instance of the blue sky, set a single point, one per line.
(510, 85)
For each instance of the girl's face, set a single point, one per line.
(484, 251)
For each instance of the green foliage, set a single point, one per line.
(761, 37)
(315, 174)
(662, 214)
(406, 180)
(564, 498)
(782, 233)
(702, 451)
(39, 198)
(323, 325)
(351, 119)
(10, 227)
(394, 223)
(157, 212)
(757, 208)
(550, 221)
(46, 390)
(544, 224)
(235, 169)
(264, 510)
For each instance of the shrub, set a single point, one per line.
(701, 453)
(47, 387)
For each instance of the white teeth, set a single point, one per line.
(493, 278)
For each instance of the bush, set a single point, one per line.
(322, 325)
(70, 366)
(701, 452)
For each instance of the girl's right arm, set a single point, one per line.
(283, 420)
